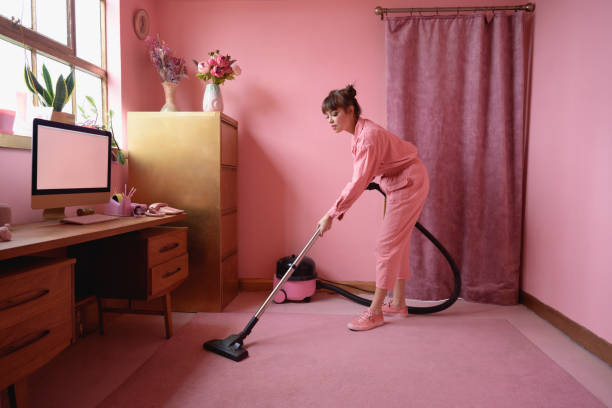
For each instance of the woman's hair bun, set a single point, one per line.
(350, 91)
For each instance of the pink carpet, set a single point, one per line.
(307, 360)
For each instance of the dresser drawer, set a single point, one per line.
(33, 287)
(168, 274)
(165, 244)
(30, 344)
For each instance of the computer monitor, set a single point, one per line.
(70, 166)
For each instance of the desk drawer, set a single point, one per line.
(30, 344)
(33, 290)
(167, 245)
(168, 274)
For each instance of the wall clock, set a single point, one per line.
(141, 24)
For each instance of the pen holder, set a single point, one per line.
(121, 209)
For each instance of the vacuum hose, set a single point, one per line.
(411, 309)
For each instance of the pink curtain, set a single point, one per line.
(457, 87)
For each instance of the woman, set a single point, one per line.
(379, 156)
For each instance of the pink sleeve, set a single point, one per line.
(364, 167)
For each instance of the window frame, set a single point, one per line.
(17, 34)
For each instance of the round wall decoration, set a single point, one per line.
(141, 24)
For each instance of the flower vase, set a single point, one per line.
(213, 102)
(169, 90)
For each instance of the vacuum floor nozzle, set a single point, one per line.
(228, 347)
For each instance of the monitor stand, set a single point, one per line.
(53, 213)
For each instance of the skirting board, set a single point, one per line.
(259, 285)
(584, 337)
(581, 335)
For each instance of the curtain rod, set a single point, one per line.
(380, 11)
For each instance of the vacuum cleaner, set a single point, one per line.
(232, 346)
(301, 285)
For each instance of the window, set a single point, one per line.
(61, 34)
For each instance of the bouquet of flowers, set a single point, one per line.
(169, 67)
(219, 68)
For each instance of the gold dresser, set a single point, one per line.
(190, 161)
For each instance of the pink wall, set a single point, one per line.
(568, 230)
(291, 165)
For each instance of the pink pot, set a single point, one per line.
(7, 117)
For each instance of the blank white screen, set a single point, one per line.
(68, 159)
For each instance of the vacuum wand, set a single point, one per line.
(231, 346)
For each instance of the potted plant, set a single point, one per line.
(91, 120)
(50, 97)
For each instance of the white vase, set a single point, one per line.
(213, 102)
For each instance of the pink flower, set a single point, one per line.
(203, 68)
(217, 71)
(223, 61)
(237, 70)
(217, 68)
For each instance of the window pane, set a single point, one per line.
(88, 85)
(18, 9)
(88, 38)
(52, 19)
(56, 69)
(11, 74)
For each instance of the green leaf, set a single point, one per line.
(46, 97)
(92, 103)
(83, 113)
(48, 82)
(27, 80)
(120, 157)
(69, 85)
(60, 94)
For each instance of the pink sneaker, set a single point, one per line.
(390, 310)
(366, 321)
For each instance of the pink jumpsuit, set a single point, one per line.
(382, 157)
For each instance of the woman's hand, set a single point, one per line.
(325, 224)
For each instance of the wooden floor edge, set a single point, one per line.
(581, 335)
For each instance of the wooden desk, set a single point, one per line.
(42, 236)
(25, 354)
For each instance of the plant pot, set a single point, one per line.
(63, 117)
(7, 117)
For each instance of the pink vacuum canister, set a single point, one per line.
(301, 285)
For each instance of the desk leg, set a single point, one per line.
(18, 394)
(168, 315)
(100, 315)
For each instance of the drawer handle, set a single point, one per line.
(168, 247)
(169, 274)
(22, 299)
(22, 342)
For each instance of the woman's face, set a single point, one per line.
(340, 119)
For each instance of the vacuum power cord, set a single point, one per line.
(411, 309)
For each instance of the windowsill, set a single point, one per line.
(15, 141)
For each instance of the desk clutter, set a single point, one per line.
(121, 205)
